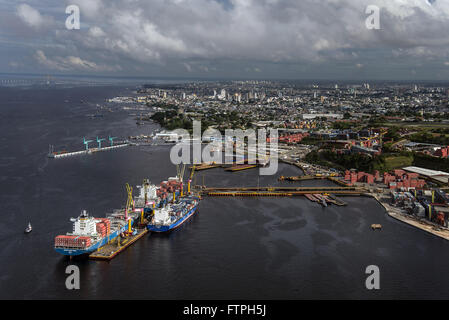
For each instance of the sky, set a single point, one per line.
(228, 39)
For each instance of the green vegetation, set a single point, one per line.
(396, 161)
(425, 161)
(343, 125)
(163, 105)
(171, 120)
(376, 121)
(436, 136)
(392, 134)
(311, 141)
(360, 162)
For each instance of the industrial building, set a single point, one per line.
(438, 176)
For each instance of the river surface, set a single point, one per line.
(234, 248)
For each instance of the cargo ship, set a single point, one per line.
(90, 233)
(172, 216)
(152, 196)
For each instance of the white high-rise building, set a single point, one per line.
(222, 95)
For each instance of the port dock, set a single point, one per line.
(112, 249)
(241, 167)
(113, 145)
(328, 192)
(65, 154)
(332, 178)
(206, 166)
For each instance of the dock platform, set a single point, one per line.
(65, 154)
(314, 177)
(111, 250)
(241, 167)
(206, 166)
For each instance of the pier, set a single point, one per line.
(112, 249)
(324, 193)
(241, 167)
(287, 189)
(205, 166)
(65, 154)
(332, 178)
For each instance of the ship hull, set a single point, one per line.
(92, 248)
(177, 224)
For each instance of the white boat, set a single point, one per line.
(28, 228)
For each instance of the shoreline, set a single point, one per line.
(422, 225)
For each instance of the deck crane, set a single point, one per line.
(86, 142)
(99, 142)
(146, 185)
(111, 140)
(192, 172)
(129, 201)
(180, 174)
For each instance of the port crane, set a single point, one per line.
(99, 142)
(192, 172)
(111, 140)
(180, 171)
(129, 201)
(180, 174)
(86, 142)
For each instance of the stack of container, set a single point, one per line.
(72, 242)
(103, 227)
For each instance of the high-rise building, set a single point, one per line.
(222, 95)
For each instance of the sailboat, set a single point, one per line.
(28, 228)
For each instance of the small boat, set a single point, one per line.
(28, 228)
(376, 226)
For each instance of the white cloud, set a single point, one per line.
(273, 31)
(96, 32)
(89, 8)
(191, 33)
(71, 63)
(29, 15)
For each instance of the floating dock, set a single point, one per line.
(241, 167)
(65, 154)
(312, 190)
(271, 194)
(205, 166)
(315, 177)
(301, 178)
(112, 249)
(333, 199)
(312, 193)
